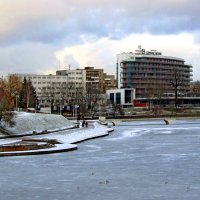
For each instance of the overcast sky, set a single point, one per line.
(42, 36)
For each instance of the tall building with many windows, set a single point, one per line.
(89, 78)
(109, 82)
(76, 79)
(97, 80)
(94, 79)
(151, 73)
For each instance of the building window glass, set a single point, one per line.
(118, 98)
(112, 98)
(127, 96)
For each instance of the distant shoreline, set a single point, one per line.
(147, 117)
(141, 117)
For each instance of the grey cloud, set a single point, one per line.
(32, 30)
(27, 58)
(66, 21)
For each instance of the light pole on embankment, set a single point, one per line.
(17, 97)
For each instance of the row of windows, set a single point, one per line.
(47, 77)
(64, 86)
(154, 67)
(151, 75)
(56, 83)
(52, 88)
(53, 83)
(74, 72)
(159, 60)
(77, 78)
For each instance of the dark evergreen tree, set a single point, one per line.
(28, 97)
(22, 97)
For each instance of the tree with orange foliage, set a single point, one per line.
(10, 88)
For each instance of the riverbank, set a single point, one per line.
(66, 140)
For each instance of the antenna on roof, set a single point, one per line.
(59, 63)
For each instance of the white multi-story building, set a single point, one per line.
(47, 86)
(151, 73)
(56, 88)
(119, 70)
(76, 79)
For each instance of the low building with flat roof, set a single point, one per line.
(123, 97)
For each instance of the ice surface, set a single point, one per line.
(152, 166)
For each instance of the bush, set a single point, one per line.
(7, 119)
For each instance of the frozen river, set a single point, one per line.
(140, 160)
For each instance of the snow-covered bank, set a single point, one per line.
(78, 135)
(27, 123)
(67, 138)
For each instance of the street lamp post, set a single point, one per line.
(36, 105)
(17, 96)
(50, 103)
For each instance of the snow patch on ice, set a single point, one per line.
(130, 133)
(165, 132)
(116, 152)
(137, 132)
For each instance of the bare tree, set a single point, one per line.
(89, 101)
(50, 94)
(176, 82)
(59, 95)
(149, 94)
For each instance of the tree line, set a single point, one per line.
(14, 94)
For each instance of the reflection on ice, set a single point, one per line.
(94, 148)
(181, 156)
(130, 134)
